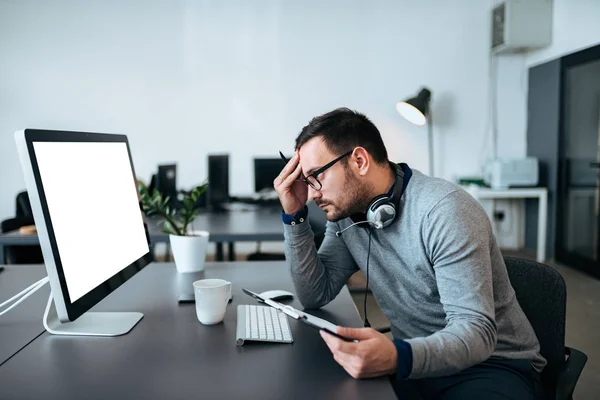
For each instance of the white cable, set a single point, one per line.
(491, 127)
(25, 294)
(376, 225)
(22, 292)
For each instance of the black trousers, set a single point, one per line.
(495, 378)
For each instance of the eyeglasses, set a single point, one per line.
(312, 180)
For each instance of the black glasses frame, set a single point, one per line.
(312, 180)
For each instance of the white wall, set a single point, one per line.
(183, 78)
(575, 26)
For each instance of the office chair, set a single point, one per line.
(20, 254)
(22, 205)
(542, 294)
(318, 222)
(24, 217)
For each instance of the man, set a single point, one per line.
(434, 267)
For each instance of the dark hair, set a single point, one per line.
(343, 129)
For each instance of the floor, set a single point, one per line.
(583, 320)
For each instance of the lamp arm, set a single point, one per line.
(430, 143)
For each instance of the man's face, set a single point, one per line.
(342, 193)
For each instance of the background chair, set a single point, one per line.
(20, 254)
(22, 205)
(542, 294)
(24, 217)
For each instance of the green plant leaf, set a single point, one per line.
(176, 222)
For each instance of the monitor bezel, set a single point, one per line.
(258, 163)
(67, 310)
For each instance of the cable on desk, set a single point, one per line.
(24, 294)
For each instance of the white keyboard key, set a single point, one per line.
(262, 323)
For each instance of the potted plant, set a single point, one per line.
(188, 245)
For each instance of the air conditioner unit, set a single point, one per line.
(521, 25)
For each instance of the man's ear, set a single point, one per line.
(360, 160)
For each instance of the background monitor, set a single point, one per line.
(85, 203)
(166, 182)
(218, 179)
(265, 172)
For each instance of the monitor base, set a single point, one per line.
(90, 323)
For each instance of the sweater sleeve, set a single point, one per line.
(457, 235)
(318, 277)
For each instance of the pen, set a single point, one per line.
(285, 160)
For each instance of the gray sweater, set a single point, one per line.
(436, 272)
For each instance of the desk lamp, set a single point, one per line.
(417, 111)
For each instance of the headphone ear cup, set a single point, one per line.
(381, 212)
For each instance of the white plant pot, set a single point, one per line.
(189, 252)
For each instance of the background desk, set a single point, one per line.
(234, 226)
(23, 323)
(521, 193)
(258, 225)
(170, 355)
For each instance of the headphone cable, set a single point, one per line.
(366, 322)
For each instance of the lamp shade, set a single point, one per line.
(416, 109)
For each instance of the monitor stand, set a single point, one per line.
(90, 323)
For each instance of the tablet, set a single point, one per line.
(308, 319)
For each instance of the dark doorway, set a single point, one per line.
(578, 228)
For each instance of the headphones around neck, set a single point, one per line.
(382, 210)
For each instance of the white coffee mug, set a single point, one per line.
(212, 296)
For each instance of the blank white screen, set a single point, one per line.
(93, 204)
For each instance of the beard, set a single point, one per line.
(355, 198)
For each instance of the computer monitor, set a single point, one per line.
(166, 182)
(92, 232)
(218, 180)
(265, 172)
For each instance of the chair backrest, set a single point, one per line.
(20, 254)
(542, 294)
(23, 206)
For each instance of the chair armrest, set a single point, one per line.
(568, 376)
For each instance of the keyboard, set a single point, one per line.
(262, 324)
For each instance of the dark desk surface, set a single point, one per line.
(23, 323)
(170, 355)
